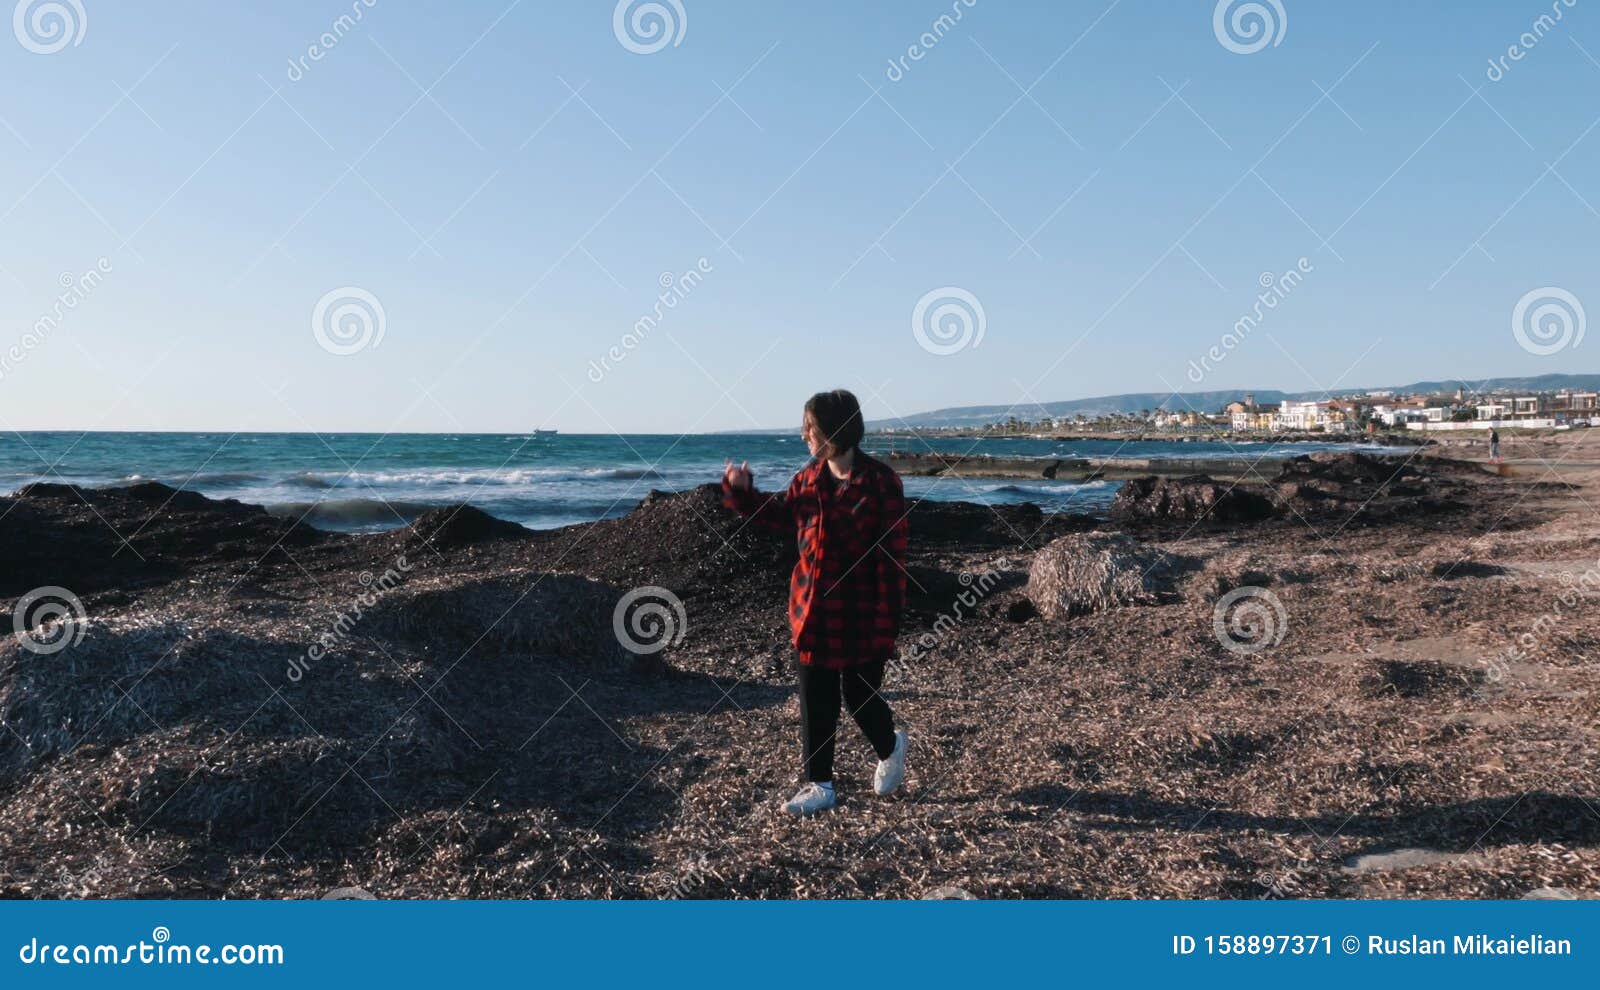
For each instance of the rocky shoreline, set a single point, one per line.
(1243, 468)
(253, 708)
(1382, 439)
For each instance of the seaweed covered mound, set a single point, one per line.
(462, 525)
(1188, 500)
(1364, 489)
(686, 541)
(969, 526)
(90, 539)
(1350, 486)
(1093, 572)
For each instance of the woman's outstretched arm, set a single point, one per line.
(768, 510)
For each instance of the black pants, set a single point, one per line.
(819, 713)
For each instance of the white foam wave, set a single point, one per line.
(467, 476)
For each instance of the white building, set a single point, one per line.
(1403, 415)
(1303, 416)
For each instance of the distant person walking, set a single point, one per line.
(846, 592)
(1494, 446)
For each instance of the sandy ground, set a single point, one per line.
(1420, 717)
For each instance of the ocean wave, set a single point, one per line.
(423, 477)
(177, 480)
(1048, 487)
(223, 478)
(308, 479)
(1059, 489)
(629, 474)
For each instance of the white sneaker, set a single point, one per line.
(892, 772)
(809, 800)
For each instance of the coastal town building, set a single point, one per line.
(1256, 418)
(1323, 415)
(1575, 405)
(1397, 415)
(1437, 410)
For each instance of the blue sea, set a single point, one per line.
(369, 482)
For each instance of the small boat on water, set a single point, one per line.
(544, 433)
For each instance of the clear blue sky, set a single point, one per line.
(514, 232)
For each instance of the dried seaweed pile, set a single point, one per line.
(686, 542)
(1084, 573)
(1117, 752)
(1352, 488)
(169, 533)
(1367, 490)
(1188, 500)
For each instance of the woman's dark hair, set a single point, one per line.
(838, 416)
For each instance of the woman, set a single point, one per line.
(846, 591)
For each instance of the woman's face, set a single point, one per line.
(816, 442)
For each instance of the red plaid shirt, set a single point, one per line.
(847, 590)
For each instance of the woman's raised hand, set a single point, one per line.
(737, 477)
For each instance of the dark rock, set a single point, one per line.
(1363, 489)
(1194, 499)
(969, 526)
(1356, 488)
(1346, 467)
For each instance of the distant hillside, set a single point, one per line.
(1103, 405)
(1535, 383)
(1132, 402)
